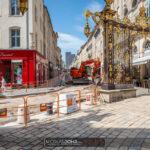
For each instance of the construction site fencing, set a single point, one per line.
(30, 86)
(9, 112)
(57, 103)
(36, 107)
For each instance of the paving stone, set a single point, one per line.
(80, 148)
(28, 147)
(134, 148)
(3, 143)
(110, 148)
(37, 147)
(9, 145)
(123, 148)
(2, 148)
(15, 148)
(146, 145)
(100, 148)
(24, 143)
(57, 148)
(144, 148)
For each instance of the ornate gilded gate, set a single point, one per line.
(118, 38)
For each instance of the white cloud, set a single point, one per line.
(69, 42)
(79, 28)
(95, 6)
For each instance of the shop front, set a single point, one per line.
(20, 67)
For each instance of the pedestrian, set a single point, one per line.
(3, 87)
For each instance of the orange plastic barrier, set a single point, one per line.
(4, 113)
(43, 107)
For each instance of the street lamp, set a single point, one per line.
(23, 6)
(87, 30)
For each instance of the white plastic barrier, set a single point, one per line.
(21, 114)
(67, 104)
(89, 99)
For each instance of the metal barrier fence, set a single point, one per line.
(32, 85)
(11, 111)
(60, 102)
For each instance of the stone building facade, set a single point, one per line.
(28, 43)
(69, 59)
(51, 50)
(92, 49)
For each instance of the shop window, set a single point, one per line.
(14, 7)
(15, 38)
(17, 72)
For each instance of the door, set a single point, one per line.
(7, 71)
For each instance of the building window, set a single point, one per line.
(35, 14)
(148, 10)
(14, 7)
(135, 50)
(125, 12)
(41, 24)
(134, 3)
(147, 45)
(36, 42)
(41, 48)
(15, 38)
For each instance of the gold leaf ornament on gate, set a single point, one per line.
(141, 19)
(108, 3)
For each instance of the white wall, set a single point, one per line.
(7, 21)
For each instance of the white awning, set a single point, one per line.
(140, 61)
(16, 61)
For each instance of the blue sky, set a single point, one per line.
(68, 20)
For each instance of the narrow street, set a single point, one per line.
(75, 74)
(123, 124)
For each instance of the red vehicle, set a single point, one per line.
(86, 71)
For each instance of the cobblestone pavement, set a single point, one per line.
(125, 125)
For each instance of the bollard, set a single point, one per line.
(49, 108)
(22, 114)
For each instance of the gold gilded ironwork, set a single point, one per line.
(119, 40)
(127, 21)
(108, 3)
(141, 19)
(87, 13)
(118, 30)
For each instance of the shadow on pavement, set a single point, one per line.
(87, 125)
